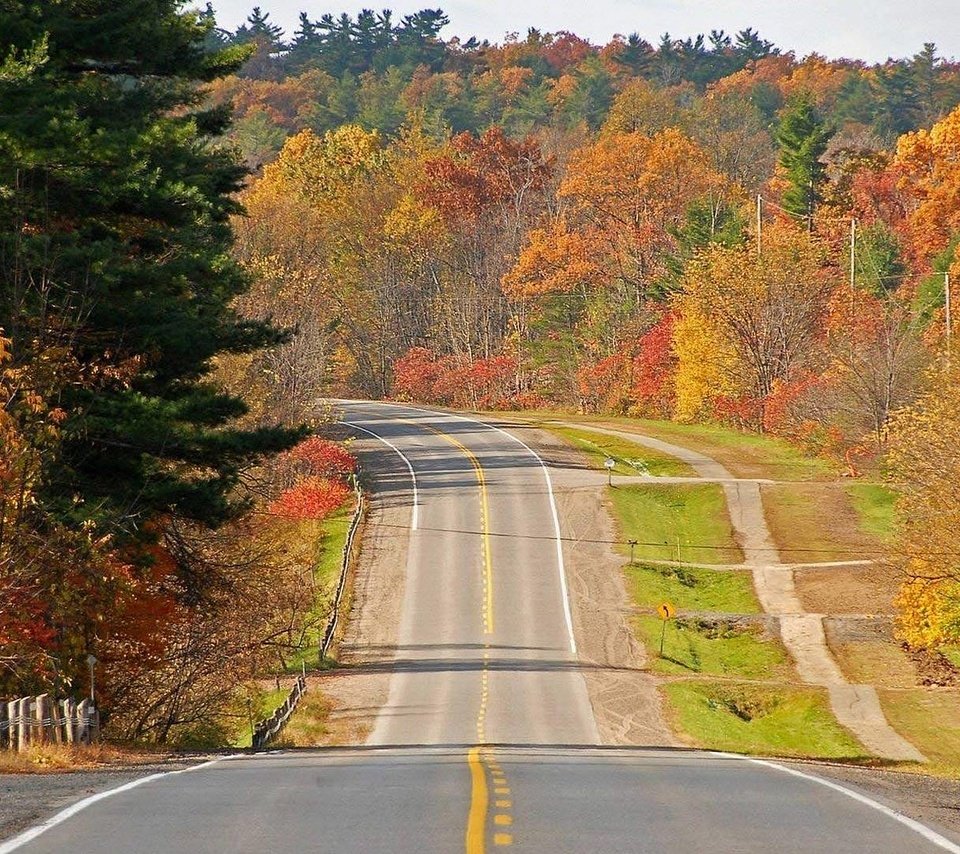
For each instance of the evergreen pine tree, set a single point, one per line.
(803, 137)
(114, 258)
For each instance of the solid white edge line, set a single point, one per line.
(32, 833)
(927, 833)
(415, 519)
(561, 568)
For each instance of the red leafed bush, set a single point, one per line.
(605, 385)
(415, 376)
(422, 375)
(324, 458)
(313, 498)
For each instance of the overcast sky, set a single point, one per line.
(862, 29)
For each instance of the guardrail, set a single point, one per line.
(348, 548)
(43, 720)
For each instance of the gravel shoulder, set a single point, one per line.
(358, 688)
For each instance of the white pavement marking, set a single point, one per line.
(927, 833)
(32, 833)
(415, 520)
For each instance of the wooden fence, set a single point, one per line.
(348, 549)
(266, 731)
(43, 720)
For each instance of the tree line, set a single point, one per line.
(767, 248)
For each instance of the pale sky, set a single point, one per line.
(871, 30)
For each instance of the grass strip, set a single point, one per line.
(692, 588)
(668, 521)
(756, 719)
(875, 506)
(712, 646)
(631, 458)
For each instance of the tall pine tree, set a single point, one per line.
(117, 281)
(803, 137)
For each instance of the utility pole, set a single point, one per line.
(759, 224)
(946, 297)
(853, 251)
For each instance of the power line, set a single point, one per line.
(704, 546)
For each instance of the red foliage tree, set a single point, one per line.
(313, 498)
(324, 458)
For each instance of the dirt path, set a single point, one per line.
(857, 707)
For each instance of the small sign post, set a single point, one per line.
(665, 610)
(91, 663)
(609, 464)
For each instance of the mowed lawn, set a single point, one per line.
(682, 522)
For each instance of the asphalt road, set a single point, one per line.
(487, 741)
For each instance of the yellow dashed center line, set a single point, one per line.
(477, 758)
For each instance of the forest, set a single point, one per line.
(204, 232)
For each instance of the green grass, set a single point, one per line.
(762, 456)
(874, 504)
(631, 458)
(658, 515)
(745, 454)
(930, 720)
(237, 725)
(331, 538)
(692, 588)
(760, 720)
(712, 648)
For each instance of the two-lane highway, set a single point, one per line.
(487, 740)
(486, 650)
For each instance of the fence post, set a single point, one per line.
(69, 714)
(23, 724)
(83, 721)
(4, 726)
(56, 722)
(41, 718)
(12, 742)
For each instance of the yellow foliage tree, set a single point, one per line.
(767, 311)
(925, 459)
(707, 365)
(644, 108)
(553, 261)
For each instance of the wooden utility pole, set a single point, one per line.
(759, 224)
(853, 252)
(946, 298)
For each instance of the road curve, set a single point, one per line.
(487, 741)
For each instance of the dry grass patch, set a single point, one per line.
(815, 522)
(929, 719)
(308, 725)
(883, 664)
(51, 758)
(847, 590)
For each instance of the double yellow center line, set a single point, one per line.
(487, 606)
(479, 760)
